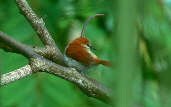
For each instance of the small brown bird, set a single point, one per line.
(78, 53)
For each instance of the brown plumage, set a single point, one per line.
(103, 62)
(78, 54)
(78, 50)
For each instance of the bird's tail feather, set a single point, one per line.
(105, 63)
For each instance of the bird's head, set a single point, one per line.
(82, 42)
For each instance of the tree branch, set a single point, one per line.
(89, 86)
(15, 75)
(47, 52)
(14, 44)
(37, 63)
(39, 26)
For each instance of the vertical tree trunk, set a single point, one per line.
(126, 36)
(0, 78)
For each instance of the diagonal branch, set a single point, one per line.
(38, 63)
(7, 48)
(15, 75)
(39, 26)
(89, 86)
(37, 23)
(14, 44)
(47, 52)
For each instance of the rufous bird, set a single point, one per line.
(78, 52)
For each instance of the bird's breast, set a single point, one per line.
(80, 54)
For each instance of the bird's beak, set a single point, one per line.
(92, 47)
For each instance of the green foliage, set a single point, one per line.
(64, 20)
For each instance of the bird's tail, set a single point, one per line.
(106, 63)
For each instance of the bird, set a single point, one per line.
(78, 52)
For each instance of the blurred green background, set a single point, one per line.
(64, 20)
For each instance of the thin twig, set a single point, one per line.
(85, 24)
